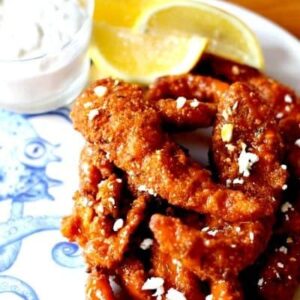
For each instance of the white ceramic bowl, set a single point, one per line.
(44, 83)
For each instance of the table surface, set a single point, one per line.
(283, 12)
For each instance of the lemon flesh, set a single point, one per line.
(141, 58)
(228, 36)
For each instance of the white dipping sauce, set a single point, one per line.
(43, 61)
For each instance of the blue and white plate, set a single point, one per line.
(39, 173)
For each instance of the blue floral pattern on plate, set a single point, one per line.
(25, 157)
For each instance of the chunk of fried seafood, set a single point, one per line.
(154, 223)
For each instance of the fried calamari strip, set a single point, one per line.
(133, 277)
(176, 276)
(93, 222)
(284, 102)
(211, 253)
(187, 114)
(128, 128)
(98, 287)
(108, 251)
(202, 88)
(246, 145)
(94, 167)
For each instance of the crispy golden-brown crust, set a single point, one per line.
(98, 287)
(193, 113)
(198, 232)
(255, 130)
(214, 252)
(284, 103)
(203, 88)
(128, 128)
(165, 265)
(133, 277)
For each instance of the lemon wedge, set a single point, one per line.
(141, 58)
(228, 36)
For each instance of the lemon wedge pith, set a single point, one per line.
(228, 36)
(141, 58)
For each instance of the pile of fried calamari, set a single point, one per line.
(157, 224)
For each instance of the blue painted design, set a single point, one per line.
(63, 112)
(9, 284)
(67, 255)
(24, 157)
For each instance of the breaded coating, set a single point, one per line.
(283, 101)
(98, 287)
(189, 86)
(155, 223)
(251, 158)
(133, 276)
(176, 276)
(211, 253)
(128, 129)
(187, 114)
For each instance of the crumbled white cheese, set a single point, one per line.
(154, 283)
(173, 294)
(297, 142)
(93, 114)
(111, 200)
(284, 187)
(146, 244)
(194, 103)
(235, 105)
(143, 188)
(119, 223)
(226, 132)
(280, 265)
(230, 147)
(228, 182)
(212, 232)
(260, 282)
(288, 98)
(238, 229)
(279, 115)
(205, 229)
(180, 102)
(283, 249)
(100, 90)
(235, 70)
(286, 207)
(283, 167)
(119, 180)
(209, 297)
(246, 160)
(251, 236)
(238, 181)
